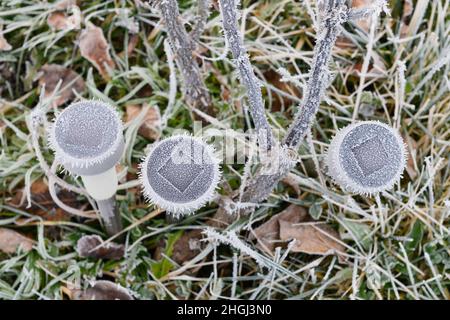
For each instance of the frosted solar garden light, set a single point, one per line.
(366, 157)
(180, 174)
(88, 141)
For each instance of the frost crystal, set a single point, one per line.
(366, 157)
(87, 137)
(180, 174)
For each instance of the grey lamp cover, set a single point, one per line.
(180, 174)
(366, 157)
(87, 137)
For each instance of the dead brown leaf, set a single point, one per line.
(311, 238)
(71, 81)
(187, 246)
(92, 246)
(60, 20)
(412, 150)
(103, 290)
(150, 128)
(268, 234)
(95, 49)
(42, 203)
(11, 240)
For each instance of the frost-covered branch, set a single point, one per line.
(332, 16)
(228, 9)
(197, 94)
(200, 19)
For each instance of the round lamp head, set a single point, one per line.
(180, 174)
(366, 157)
(87, 137)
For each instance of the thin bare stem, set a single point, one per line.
(200, 19)
(333, 15)
(197, 94)
(247, 76)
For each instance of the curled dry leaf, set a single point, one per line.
(103, 290)
(95, 49)
(60, 20)
(11, 240)
(150, 127)
(268, 234)
(311, 238)
(92, 246)
(4, 45)
(72, 82)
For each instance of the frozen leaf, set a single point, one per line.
(4, 45)
(187, 246)
(72, 82)
(268, 234)
(124, 20)
(357, 231)
(61, 20)
(95, 49)
(150, 127)
(92, 247)
(103, 290)
(42, 203)
(311, 238)
(11, 240)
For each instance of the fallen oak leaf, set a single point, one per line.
(311, 238)
(72, 82)
(92, 246)
(11, 240)
(103, 290)
(268, 234)
(150, 127)
(95, 49)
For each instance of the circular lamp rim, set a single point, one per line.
(81, 164)
(340, 176)
(186, 207)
